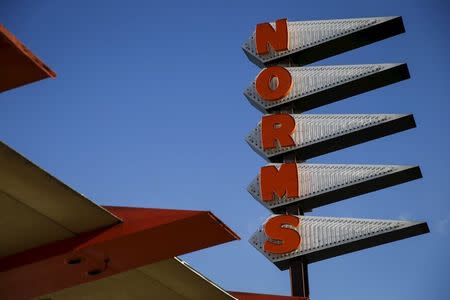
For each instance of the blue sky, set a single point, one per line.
(148, 111)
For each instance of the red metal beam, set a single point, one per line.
(18, 65)
(250, 296)
(145, 236)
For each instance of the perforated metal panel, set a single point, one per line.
(326, 84)
(321, 184)
(325, 233)
(306, 35)
(313, 130)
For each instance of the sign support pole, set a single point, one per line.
(298, 271)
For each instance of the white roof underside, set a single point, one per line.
(169, 279)
(37, 209)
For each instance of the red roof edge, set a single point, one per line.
(20, 66)
(145, 236)
(252, 296)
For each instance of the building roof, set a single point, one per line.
(252, 296)
(18, 65)
(168, 279)
(67, 240)
(40, 207)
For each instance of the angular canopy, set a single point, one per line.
(54, 238)
(18, 66)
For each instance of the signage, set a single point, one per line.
(289, 186)
(304, 88)
(306, 42)
(306, 135)
(283, 238)
(309, 186)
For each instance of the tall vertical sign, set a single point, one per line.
(285, 137)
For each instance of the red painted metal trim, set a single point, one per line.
(18, 65)
(250, 296)
(145, 236)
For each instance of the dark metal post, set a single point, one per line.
(298, 271)
(299, 279)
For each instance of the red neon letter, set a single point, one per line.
(290, 238)
(264, 83)
(277, 38)
(281, 182)
(277, 128)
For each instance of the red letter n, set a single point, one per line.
(277, 38)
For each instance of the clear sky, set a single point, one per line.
(148, 111)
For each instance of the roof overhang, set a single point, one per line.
(146, 236)
(19, 66)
